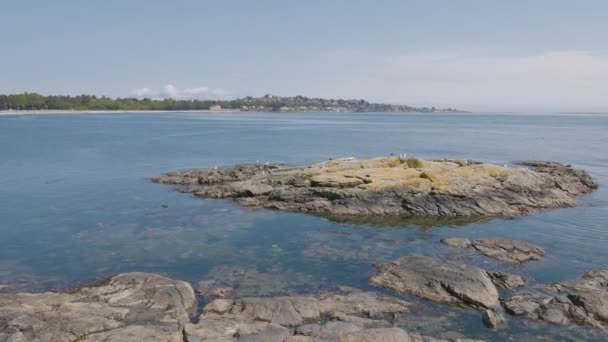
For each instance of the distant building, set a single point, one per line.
(216, 107)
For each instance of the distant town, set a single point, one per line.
(267, 103)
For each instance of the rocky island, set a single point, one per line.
(391, 185)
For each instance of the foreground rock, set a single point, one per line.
(353, 316)
(506, 250)
(582, 302)
(392, 186)
(126, 307)
(506, 280)
(493, 320)
(439, 281)
(136, 307)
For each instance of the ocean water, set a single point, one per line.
(76, 204)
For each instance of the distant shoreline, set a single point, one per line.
(52, 112)
(201, 111)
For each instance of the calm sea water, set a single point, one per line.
(76, 205)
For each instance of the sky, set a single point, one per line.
(480, 55)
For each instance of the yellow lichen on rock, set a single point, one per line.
(392, 186)
(384, 172)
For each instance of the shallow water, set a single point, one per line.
(76, 204)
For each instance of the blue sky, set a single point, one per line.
(471, 54)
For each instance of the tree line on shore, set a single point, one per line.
(34, 101)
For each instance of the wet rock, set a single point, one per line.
(506, 280)
(126, 307)
(582, 302)
(506, 250)
(492, 319)
(439, 281)
(391, 186)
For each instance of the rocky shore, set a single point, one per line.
(392, 186)
(149, 307)
(583, 302)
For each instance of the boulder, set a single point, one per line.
(126, 307)
(440, 281)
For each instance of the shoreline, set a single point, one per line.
(195, 111)
(54, 112)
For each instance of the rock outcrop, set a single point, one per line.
(353, 316)
(391, 186)
(126, 307)
(143, 307)
(582, 302)
(493, 320)
(506, 250)
(320, 317)
(439, 281)
(506, 280)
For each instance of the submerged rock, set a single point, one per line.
(439, 281)
(582, 302)
(391, 186)
(506, 250)
(457, 242)
(126, 307)
(210, 289)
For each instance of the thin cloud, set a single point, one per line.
(142, 92)
(173, 92)
(476, 80)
